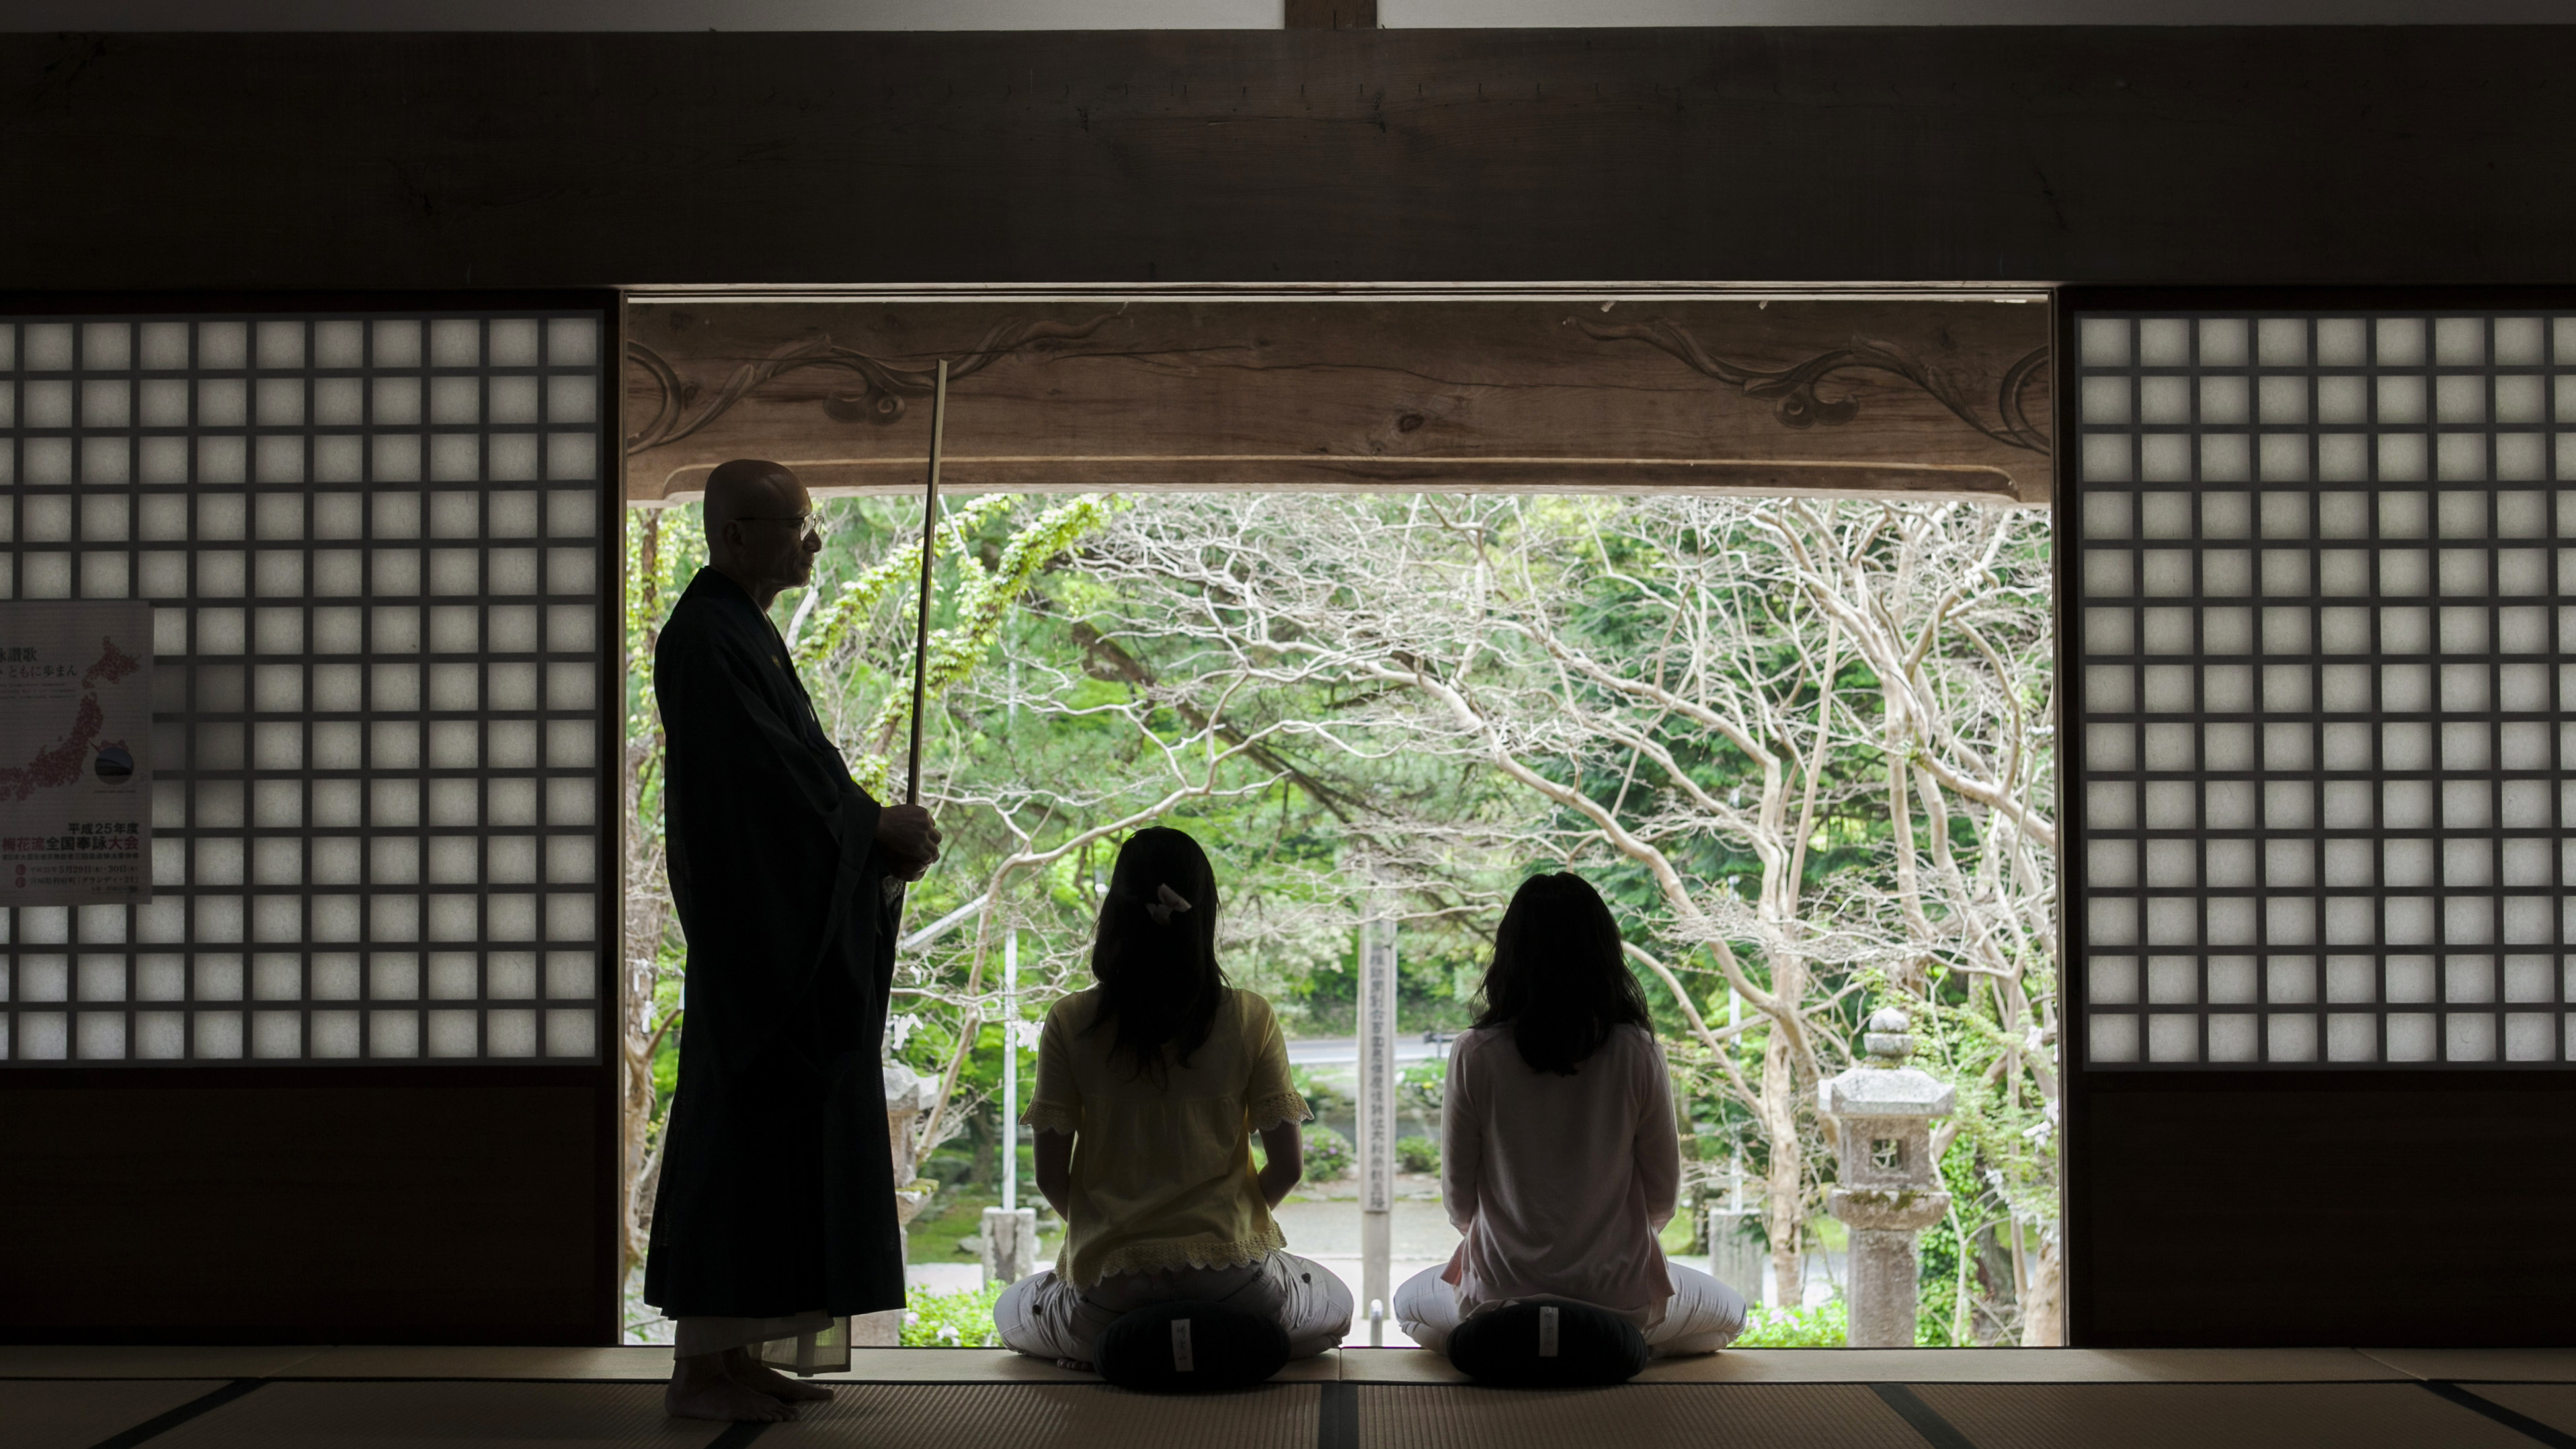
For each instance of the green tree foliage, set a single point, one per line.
(1417, 1154)
(1329, 1155)
(1803, 748)
(961, 1319)
(1827, 1325)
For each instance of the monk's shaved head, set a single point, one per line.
(744, 488)
(760, 527)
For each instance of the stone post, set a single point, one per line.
(1890, 1188)
(1735, 1257)
(1010, 1244)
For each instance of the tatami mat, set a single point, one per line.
(634, 1365)
(2551, 1404)
(957, 1401)
(1937, 1365)
(2483, 1365)
(76, 1413)
(2212, 1416)
(2026, 1366)
(419, 1415)
(115, 1361)
(1051, 1416)
(1753, 1416)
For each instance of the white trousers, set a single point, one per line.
(1702, 1316)
(1045, 1317)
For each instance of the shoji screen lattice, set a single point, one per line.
(2327, 648)
(376, 548)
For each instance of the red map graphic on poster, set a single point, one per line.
(62, 765)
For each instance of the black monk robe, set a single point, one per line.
(777, 1191)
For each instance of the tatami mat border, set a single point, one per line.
(86, 1413)
(127, 1361)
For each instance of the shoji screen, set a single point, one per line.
(378, 543)
(2318, 561)
(375, 547)
(2322, 719)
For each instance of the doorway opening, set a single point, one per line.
(1777, 685)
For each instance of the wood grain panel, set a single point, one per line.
(313, 1207)
(2240, 1209)
(1793, 396)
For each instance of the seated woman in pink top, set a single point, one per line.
(1560, 1157)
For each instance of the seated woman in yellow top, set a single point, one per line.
(1150, 1086)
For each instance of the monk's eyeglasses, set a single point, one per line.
(813, 523)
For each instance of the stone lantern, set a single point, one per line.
(908, 1094)
(1890, 1188)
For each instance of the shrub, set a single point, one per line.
(1424, 1085)
(1322, 1098)
(1329, 1157)
(1417, 1154)
(950, 1320)
(1828, 1325)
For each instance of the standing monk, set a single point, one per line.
(776, 1212)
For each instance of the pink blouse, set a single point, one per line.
(1560, 1183)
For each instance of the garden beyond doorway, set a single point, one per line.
(1803, 745)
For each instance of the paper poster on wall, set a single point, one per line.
(75, 752)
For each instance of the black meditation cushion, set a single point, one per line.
(1548, 1345)
(1177, 1347)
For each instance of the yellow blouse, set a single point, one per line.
(1162, 1170)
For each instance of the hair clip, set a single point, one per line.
(1162, 910)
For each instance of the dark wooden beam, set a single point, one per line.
(1332, 14)
(1789, 396)
(2248, 154)
(307, 1205)
(2298, 1167)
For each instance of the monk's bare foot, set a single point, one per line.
(1075, 1364)
(759, 1377)
(701, 1389)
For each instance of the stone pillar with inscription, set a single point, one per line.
(1889, 1188)
(1377, 1122)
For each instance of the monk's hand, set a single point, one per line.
(907, 833)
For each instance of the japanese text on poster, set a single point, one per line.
(75, 752)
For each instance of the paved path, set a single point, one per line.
(1327, 1051)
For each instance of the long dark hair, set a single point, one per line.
(1559, 980)
(1159, 981)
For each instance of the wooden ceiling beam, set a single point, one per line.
(1331, 15)
(1917, 396)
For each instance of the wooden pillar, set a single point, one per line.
(1331, 15)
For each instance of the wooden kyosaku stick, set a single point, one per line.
(921, 630)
